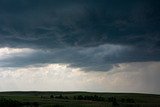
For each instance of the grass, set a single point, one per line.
(43, 99)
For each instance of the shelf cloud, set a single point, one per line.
(93, 35)
(82, 45)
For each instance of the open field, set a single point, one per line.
(77, 99)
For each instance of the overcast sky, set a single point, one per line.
(80, 45)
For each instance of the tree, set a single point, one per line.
(51, 96)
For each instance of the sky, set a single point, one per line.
(80, 45)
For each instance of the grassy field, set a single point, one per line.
(78, 99)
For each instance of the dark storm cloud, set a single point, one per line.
(62, 25)
(99, 58)
(92, 58)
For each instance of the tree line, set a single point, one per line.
(113, 100)
(9, 103)
(14, 103)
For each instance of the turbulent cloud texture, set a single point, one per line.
(92, 35)
(52, 44)
(93, 58)
(86, 23)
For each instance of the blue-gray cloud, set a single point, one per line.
(88, 58)
(66, 25)
(99, 58)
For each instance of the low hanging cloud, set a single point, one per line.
(100, 58)
(91, 58)
(91, 35)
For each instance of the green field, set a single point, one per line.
(77, 99)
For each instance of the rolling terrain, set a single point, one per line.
(77, 99)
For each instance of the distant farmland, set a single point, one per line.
(77, 99)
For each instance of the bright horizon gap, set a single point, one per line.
(59, 77)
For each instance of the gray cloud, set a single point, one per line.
(100, 58)
(67, 28)
(91, 58)
(30, 23)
